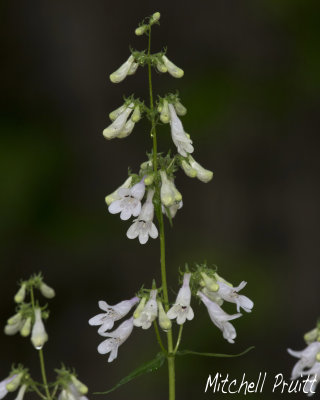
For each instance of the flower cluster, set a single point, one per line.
(213, 291)
(29, 316)
(17, 379)
(71, 387)
(308, 363)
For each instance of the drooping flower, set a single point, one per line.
(313, 380)
(220, 318)
(149, 312)
(79, 386)
(115, 113)
(117, 126)
(229, 293)
(143, 226)
(115, 339)
(127, 129)
(179, 137)
(173, 70)
(307, 358)
(181, 310)
(180, 109)
(14, 325)
(112, 314)
(26, 328)
(188, 170)
(171, 211)
(164, 114)
(168, 193)
(130, 201)
(115, 195)
(39, 335)
(21, 294)
(204, 175)
(119, 75)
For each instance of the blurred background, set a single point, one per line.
(251, 87)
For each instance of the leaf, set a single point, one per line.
(196, 353)
(150, 366)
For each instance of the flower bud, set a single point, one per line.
(188, 170)
(154, 18)
(15, 319)
(204, 175)
(172, 68)
(165, 115)
(161, 67)
(12, 329)
(166, 194)
(15, 383)
(26, 328)
(219, 278)
(122, 71)
(114, 196)
(47, 291)
(81, 387)
(141, 30)
(210, 283)
(140, 307)
(180, 109)
(115, 113)
(21, 294)
(164, 322)
(39, 335)
(136, 115)
(309, 337)
(148, 180)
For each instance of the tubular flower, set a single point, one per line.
(39, 335)
(220, 318)
(133, 68)
(161, 67)
(143, 226)
(180, 109)
(117, 126)
(168, 193)
(115, 196)
(171, 211)
(115, 113)
(130, 201)
(229, 293)
(136, 115)
(181, 310)
(149, 312)
(204, 175)
(116, 338)
(123, 71)
(307, 358)
(164, 114)
(46, 291)
(21, 294)
(3, 386)
(173, 70)
(188, 170)
(26, 328)
(112, 314)
(13, 328)
(127, 129)
(179, 136)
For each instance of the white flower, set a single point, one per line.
(115, 113)
(14, 383)
(136, 115)
(21, 392)
(39, 335)
(164, 320)
(229, 293)
(71, 392)
(172, 68)
(149, 312)
(188, 170)
(26, 327)
(179, 137)
(123, 71)
(116, 338)
(127, 129)
(13, 328)
(117, 126)
(3, 386)
(307, 358)
(133, 68)
(143, 226)
(181, 310)
(204, 175)
(160, 66)
(115, 196)
(164, 114)
(168, 193)
(78, 385)
(220, 318)
(171, 211)
(180, 109)
(112, 314)
(47, 291)
(314, 371)
(130, 201)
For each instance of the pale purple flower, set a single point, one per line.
(149, 312)
(229, 293)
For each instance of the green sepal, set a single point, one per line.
(150, 366)
(196, 353)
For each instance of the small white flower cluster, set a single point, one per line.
(28, 319)
(215, 290)
(309, 361)
(12, 383)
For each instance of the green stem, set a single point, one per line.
(159, 337)
(170, 357)
(178, 340)
(41, 358)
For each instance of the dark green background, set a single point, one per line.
(251, 87)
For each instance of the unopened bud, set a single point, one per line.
(311, 336)
(136, 115)
(165, 115)
(188, 170)
(47, 291)
(39, 335)
(21, 294)
(180, 109)
(140, 307)
(210, 283)
(15, 383)
(81, 387)
(26, 328)
(155, 17)
(15, 319)
(164, 322)
(149, 179)
(141, 30)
